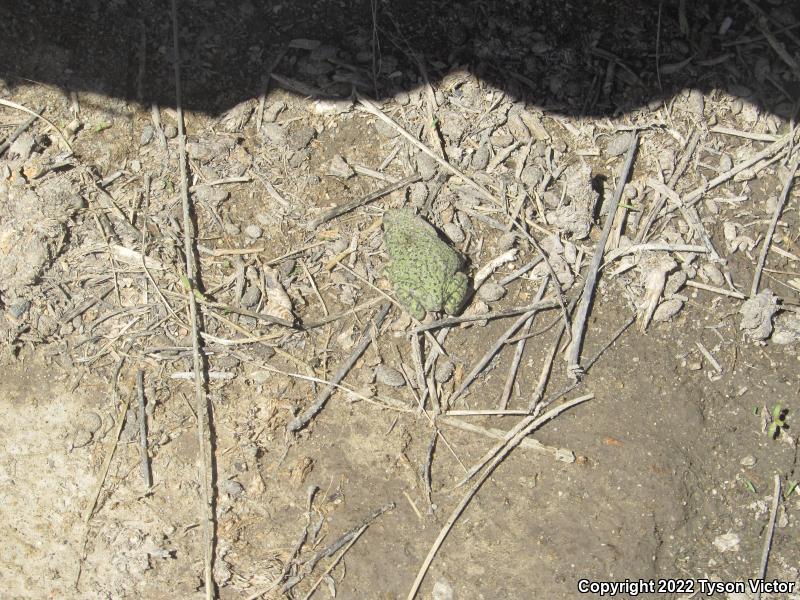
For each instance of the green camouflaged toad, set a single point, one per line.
(424, 270)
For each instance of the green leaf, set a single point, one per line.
(776, 412)
(792, 487)
(749, 485)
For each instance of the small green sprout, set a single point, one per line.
(778, 421)
(790, 488)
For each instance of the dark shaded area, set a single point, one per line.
(572, 57)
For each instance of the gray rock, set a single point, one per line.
(338, 167)
(444, 371)
(389, 376)
(667, 309)
(454, 233)
(273, 134)
(696, 103)
(426, 166)
(19, 308)
(301, 137)
(147, 135)
(231, 487)
(253, 231)
(619, 144)
(491, 291)
(480, 160)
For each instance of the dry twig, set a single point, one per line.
(579, 322)
(530, 425)
(300, 421)
(201, 402)
(762, 258)
(776, 499)
(344, 208)
(19, 131)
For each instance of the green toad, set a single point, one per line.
(424, 270)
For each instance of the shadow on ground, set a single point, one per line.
(575, 58)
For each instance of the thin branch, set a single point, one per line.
(776, 499)
(344, 208)
(201, 402)
(304, 419)
(579, 322)
(531, 424)
(19, 131)
(762, 258)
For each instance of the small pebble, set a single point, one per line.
(231, 487)
(491, 291)
(426, 166)
(696, 103)
(506, 241)
(481, 157)
(147, 135)
(748, 461)
(442, 590)
(454, 233)
(619, 144)
(444, 371)
(19, 308)
(170, 132)
(418, 194)
(389, 376)
(667, 309)
(338, 167)
(231, 229)
(91, 421)
(253, 231)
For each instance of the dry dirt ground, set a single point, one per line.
(665, 472)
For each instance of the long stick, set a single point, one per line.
(201, 403)
(776, 500)
(531, 424)
(582, 313)
(762, 258)
(300, 421)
